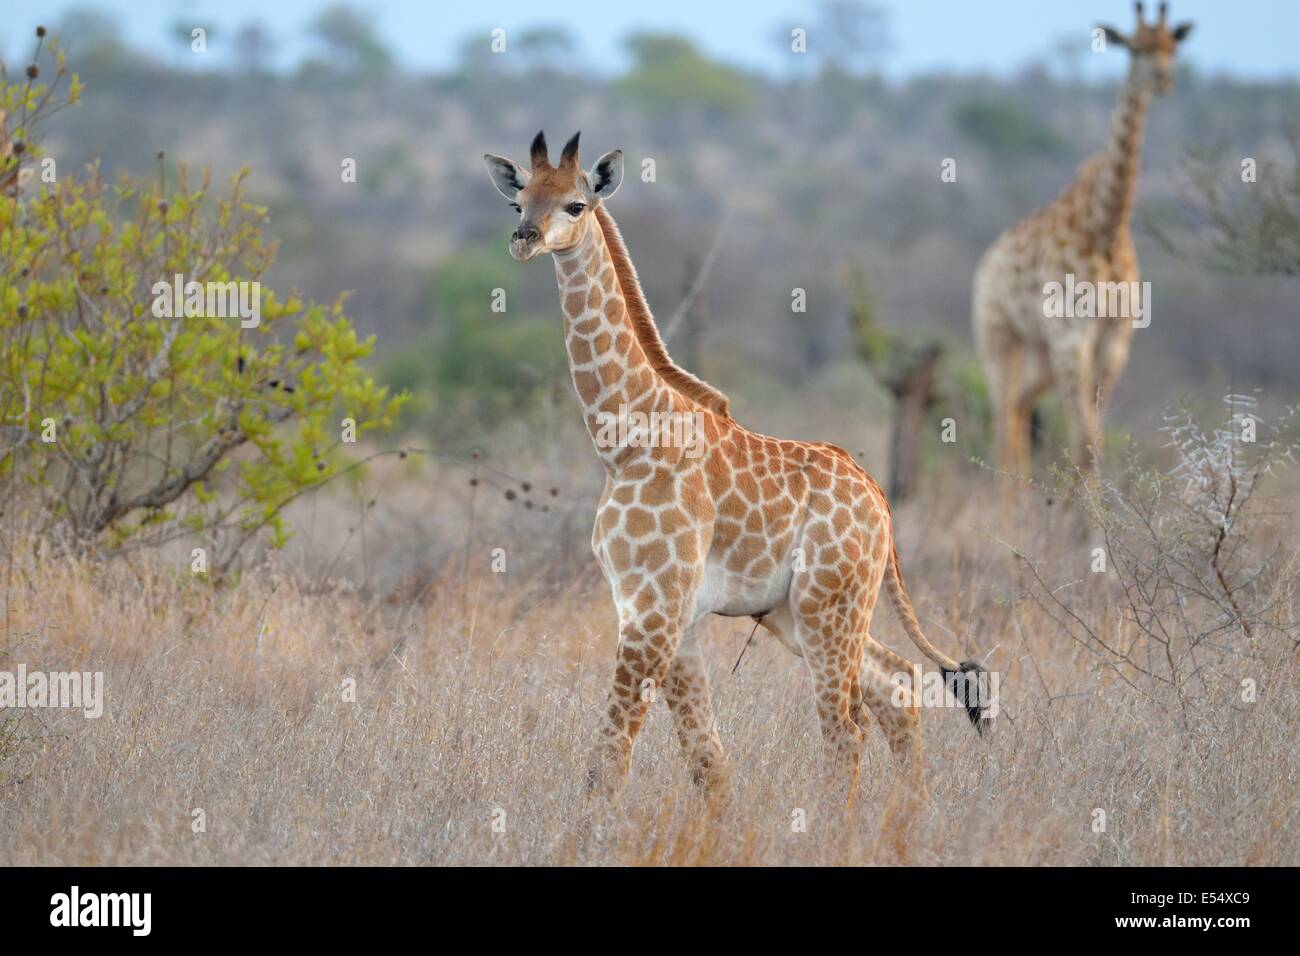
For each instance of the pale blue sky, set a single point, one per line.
(1251, 38)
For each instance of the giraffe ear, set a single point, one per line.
(607, 174)
(1182, 31)
(507, 177)
(1114, 36)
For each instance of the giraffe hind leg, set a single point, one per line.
(833, 654)
(891, 687)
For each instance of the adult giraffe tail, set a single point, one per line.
(962, 679)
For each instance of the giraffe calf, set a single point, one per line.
(730, 522)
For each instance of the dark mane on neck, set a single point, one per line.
(1117, 166)
(643, 324)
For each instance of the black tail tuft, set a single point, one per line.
(973, 692)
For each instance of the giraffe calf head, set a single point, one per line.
(554, 202)
(1153, 46)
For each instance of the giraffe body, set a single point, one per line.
(794, 534)
(1083, 238)
(1025, 351)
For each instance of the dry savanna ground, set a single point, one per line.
(476, 700)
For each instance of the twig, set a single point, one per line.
(697, 286)
(757, 621)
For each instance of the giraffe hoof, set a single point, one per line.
(603, 780)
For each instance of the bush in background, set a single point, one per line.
(131, 428)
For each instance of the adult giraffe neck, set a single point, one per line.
(1117, 175)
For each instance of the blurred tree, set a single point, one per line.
(1005, 129)
(670, 72)
(477, 366)
(96, 40)
(850, 36)
(133, 424)
(350, 41)
(547, 48)
(906, 371)
(182, 35)
(474, 57)
(1247, 212)
(253, 48)
(795, 64)
(1067, 53)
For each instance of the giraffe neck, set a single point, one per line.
(1116, 182)
(610, 370)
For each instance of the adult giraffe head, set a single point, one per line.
(1153, 46)
(554, 202)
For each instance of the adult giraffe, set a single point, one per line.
(716, 524)
(1085, 233)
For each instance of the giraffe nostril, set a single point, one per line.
(527, 233)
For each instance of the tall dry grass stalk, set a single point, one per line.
(467, 742)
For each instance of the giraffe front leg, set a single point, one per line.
(858, 707)
(686, 689)
(1072, 370)
(1014, 417)
(1002, 355)
(646, 650)
(1112, 357)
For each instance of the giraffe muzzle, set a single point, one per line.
(525, 242)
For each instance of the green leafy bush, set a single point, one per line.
(671, 72)
(131, 427)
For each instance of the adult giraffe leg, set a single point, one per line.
(1004, 363)
(1010, 428)
(1072, 370)
(1001, 354)
(1112, 357)
(686, 689)
(1035, 378)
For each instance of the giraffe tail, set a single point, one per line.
(962, 679)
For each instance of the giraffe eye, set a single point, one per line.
(515, 207)
(575, 209)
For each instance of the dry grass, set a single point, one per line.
(231, 701)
